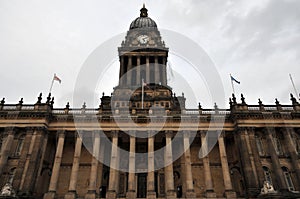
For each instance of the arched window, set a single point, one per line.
(259, 145)
(267, 173)
(20, 145)
(288, 178)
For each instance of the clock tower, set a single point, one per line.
(143, 55)
(143, 72)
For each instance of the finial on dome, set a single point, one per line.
(144, 11)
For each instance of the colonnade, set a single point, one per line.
(170, 191)
(250, 159)
(152, 71)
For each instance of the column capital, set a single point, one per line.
(40, 130)
(203, 133)
(189, 134)
(290, 130)
(61, 133)
(222, 134)
(30, 129)
(251, 131)
(132, 133)
(269, 131)
(169, 133)
(9, 131)
(114, 133)
(245, 130)
(185, 133)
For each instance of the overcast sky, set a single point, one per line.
(258, 41)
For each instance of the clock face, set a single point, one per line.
(143, 39)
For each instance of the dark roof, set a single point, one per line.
(143, 21)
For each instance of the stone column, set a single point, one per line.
(94, 168)
(293, 152)
(33, 137)
(6, 146)
(190, 192)
(39, 178)
(182, 174)
(275, 160)
(129, 72)
(150, 179)
(257, 161)
(169, 178)
(147, 70)
(131, 174)
(75, 168)
(138, 71)
(56, 166)
(121, 70)
(229, 193)
(156, 70)
(164, 72)
(33, 146)
(247, 161)
(32, 162)
(209, 192)
(100, 165)
(112, 187)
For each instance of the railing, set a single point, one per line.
(9, 107)
(143, 112)
(253, 108)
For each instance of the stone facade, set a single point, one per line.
(47, 153)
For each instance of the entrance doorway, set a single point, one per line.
(142, 185)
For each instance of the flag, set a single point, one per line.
(57, 78)
(144, 83)
(233, 79)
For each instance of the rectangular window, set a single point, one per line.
(259, 146)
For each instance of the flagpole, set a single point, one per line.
(296, 92)
(51, 85)
(142, 93)
(232, 85)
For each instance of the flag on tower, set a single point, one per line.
(56, 78)
(233, 79)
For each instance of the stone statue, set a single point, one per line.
(7, 190)
(267, 188)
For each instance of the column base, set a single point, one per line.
(171, 194)
(151, 195)
(190, 194)
(91, 194)
(71, 195)
(111, 195)
(210, 194)
(130, 194)
(230, 194)
(49, 195)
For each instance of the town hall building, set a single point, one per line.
(142, 141)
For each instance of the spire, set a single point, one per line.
(144, 11)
